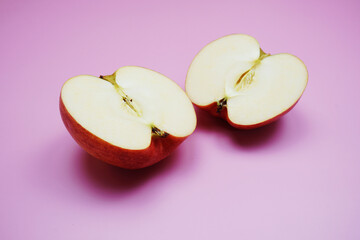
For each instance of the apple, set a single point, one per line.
(233, 78)
(132, 119)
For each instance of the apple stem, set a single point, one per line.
(263, 54)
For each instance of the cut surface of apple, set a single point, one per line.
(132, 119)
(233, 78)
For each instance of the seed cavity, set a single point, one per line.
(129, 102)
(247, 78)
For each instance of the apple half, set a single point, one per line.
(132, 119)
(234, 79)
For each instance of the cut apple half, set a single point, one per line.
(132, 118)
(234, 79)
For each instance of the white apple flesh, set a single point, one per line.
(131, 119)
(234, 79)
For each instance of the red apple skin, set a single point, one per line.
(160, 147)
(212, 109)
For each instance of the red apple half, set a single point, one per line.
(132, 119)
(234, 79)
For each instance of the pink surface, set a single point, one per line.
(295, 179)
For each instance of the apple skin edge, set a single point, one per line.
(212, 109)
(160, 147)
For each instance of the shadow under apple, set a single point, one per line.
(111, 178)
(245, 138)
(65, 172)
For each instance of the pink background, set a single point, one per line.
(295, 179)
